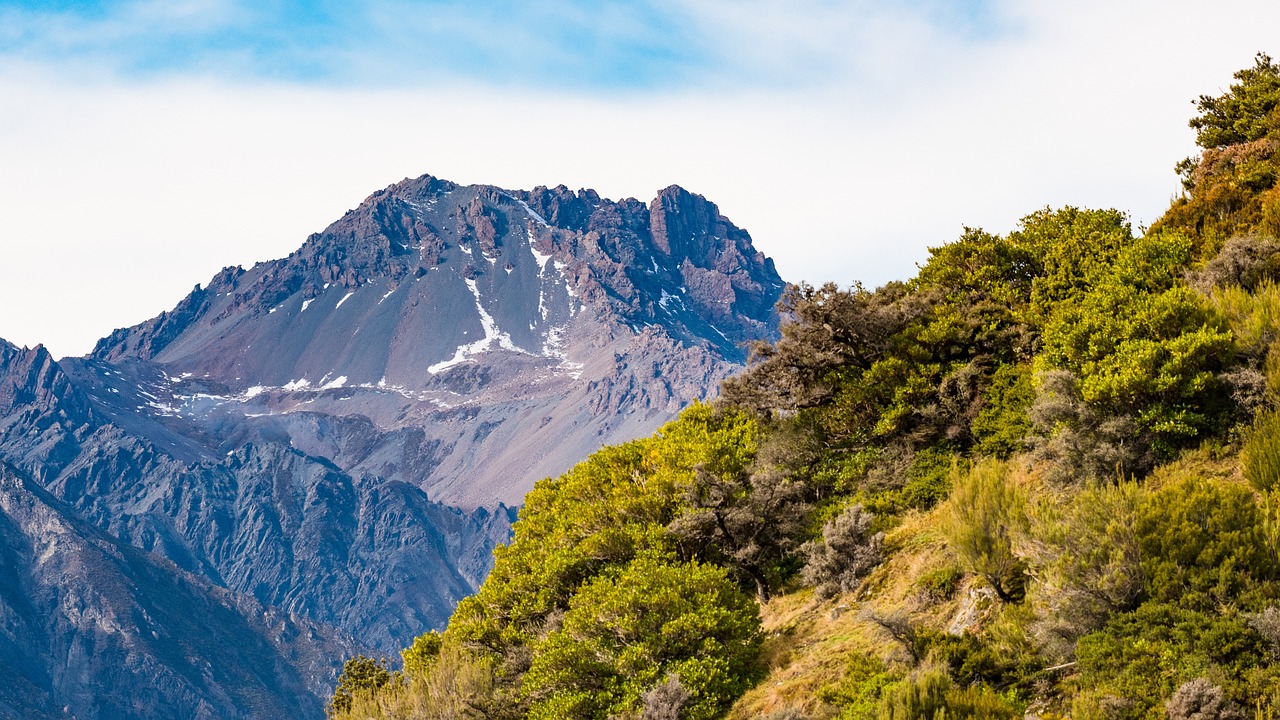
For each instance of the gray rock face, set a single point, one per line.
(93, 628)
(337, 436)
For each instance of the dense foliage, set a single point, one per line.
(624, 633)
(1231, 186)
(1044, 469)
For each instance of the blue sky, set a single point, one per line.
(148, 144)
(590, 46)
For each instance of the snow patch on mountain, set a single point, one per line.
(491, 335)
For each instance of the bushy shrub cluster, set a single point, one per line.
(361, 677)
(932, 695)
(617, 597)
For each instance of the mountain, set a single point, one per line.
(268, 521)
(468, 339)
(338, 437)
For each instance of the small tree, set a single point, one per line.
(985, 512)
(422, 654)
(847, 551)
(1250, 110)
(748, 522)
(360, 674)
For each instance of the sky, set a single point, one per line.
(145, 145)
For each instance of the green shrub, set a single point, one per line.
(941, 584)
(923, 697)
(858, 693)
(457, 685)
(1144, 655)
(1253, 316)
(1152, 355)
(627, 631)
(1001, 428)
(419, 657)
(932, 695)
(979, 702)
(600, 515)
(1086, 561)
(360, 676)
(1204, 544)
(975, 659)
(1070, 246)
(928, 478)
(985, 511)
(1261, 454)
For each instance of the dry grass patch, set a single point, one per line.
(810, 641)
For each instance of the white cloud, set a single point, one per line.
(117, 196)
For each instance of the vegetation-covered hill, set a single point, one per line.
(1043, 477)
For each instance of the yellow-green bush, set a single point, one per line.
(984, 514)
(1261, 454)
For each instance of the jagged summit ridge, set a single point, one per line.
(518, 329)
(402, 265)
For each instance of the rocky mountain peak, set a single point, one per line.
(686, 225)
(435, 304)
(31, 377)
(534, 255)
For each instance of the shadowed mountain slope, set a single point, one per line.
(96, 629)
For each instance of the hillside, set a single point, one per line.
(1037, 479)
